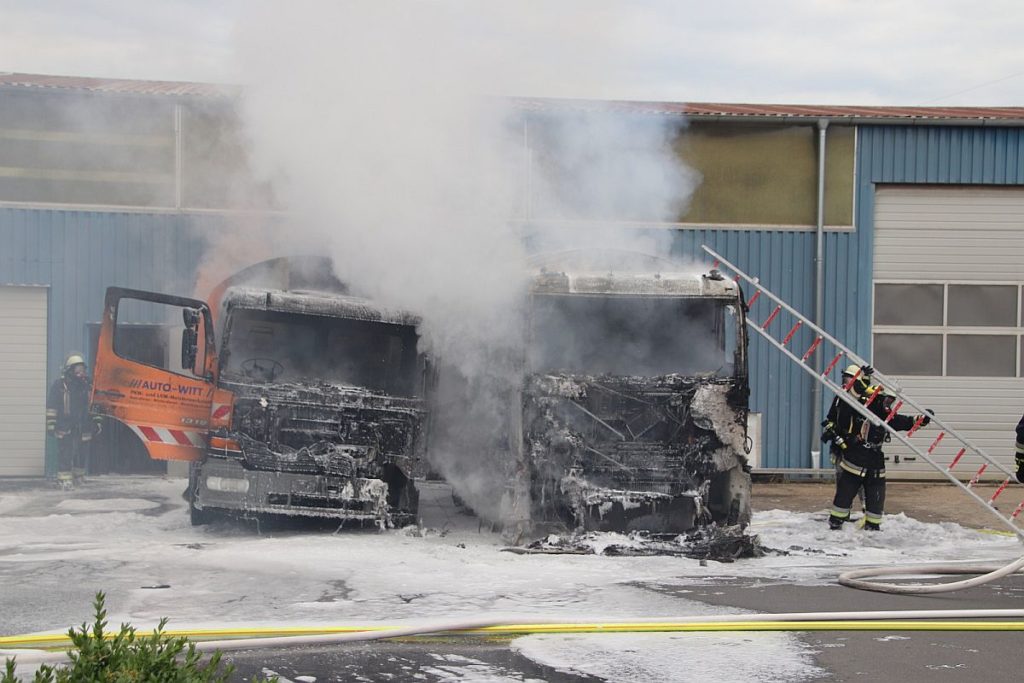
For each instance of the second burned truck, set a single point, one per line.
(634, 403)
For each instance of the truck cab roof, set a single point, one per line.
(315, 303)
(665, 284)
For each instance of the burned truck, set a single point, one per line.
(634, 402)
(312, 406)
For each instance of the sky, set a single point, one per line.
(887, 52)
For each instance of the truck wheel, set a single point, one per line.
(198, 517)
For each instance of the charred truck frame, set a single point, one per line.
(313, 406)
(634, 404)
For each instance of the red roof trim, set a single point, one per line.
(694, 109)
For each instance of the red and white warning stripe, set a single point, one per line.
(173, 437)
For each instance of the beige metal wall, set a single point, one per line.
(955, 236)
(22, 380)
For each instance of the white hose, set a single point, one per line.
(989, 572)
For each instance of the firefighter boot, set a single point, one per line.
(872, 526)
(835, 523)
(65, 481)
(78, 474)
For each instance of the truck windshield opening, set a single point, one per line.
(625, 335)
(271, 346)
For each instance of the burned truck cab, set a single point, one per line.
(327, 412)
(635, 401)
(312, 405)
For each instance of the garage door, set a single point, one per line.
(948, 306)
(22, 380)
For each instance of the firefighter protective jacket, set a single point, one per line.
(67, 408)
(863, 442)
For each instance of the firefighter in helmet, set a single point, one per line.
(68, 419)
(857, 446)
(1020, 451)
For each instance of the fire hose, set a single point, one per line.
(989, 572)
(38, 649)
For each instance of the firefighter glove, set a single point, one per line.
(866, 371)
(927, 417)
(1020, 468)
(830, 433)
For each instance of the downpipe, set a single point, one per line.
(819, 295)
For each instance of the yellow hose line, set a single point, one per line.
(61, 640)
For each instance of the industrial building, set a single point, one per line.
(917, 211)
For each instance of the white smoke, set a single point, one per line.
(387, 129)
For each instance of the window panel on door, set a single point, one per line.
(982, 306)
(981, 355)
(909, 354)
(908, 304)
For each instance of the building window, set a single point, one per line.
(909, 354)
(981, 355)
(982, 306)
(908, 304)
(949, 329)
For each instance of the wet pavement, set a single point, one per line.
(48, 579)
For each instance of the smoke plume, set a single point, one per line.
(391, 134)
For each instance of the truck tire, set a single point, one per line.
(197, 516)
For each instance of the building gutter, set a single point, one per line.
(855, 120)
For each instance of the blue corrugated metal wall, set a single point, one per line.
(78, 254)
(785, 262)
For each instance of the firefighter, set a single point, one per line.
(858, 447)
(1020, 451)
(67, 418)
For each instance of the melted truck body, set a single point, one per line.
(314, 404)
(634, 403)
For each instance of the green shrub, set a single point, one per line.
(128, 657)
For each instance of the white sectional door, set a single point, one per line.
(948, 303)
(22, 380)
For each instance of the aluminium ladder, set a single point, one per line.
(891, 387)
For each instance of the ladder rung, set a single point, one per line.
(892, 412)
(875, 394)
(792, 332)
(766, 323)
(999, 490)
(753, 298)
(1018, 510)
(977, 475)
(917, 425)
(956, 459)
(814, 345)
(832, 364)
(936, 442)
(853, 379)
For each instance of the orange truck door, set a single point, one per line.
(168, 406)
